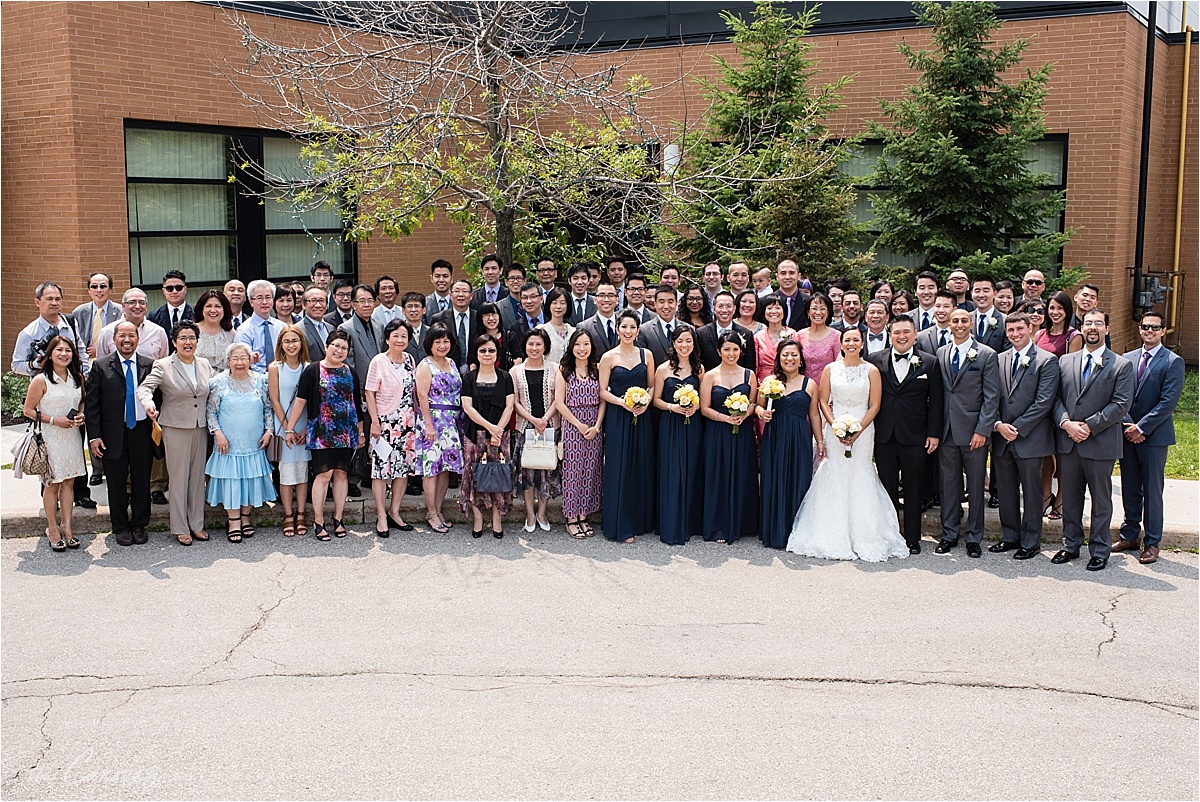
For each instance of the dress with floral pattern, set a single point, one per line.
(336, 423)
(445, 451)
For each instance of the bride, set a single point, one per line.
(846, 513)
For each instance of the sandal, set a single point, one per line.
(301, 526)
(1054, 515)
(184, 540)
(576, 530)
(58, 545)
(319, 531)
(72, 543)
(587, 529)
(201, 535)
(289, 525)
(231, 534)
(339, 529)
(441, 527)
(247, 528)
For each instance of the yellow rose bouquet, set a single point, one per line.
(737, 404)
(636, 398)
(771, 389)
(686, 396)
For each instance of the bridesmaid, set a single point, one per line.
(731, 472)
(628, 448)
(787, 445)
(680, 440)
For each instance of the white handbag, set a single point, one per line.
(539, 453)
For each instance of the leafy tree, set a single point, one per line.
(954, 157)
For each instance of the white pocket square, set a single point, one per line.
(923, 376)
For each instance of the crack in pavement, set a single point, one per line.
(1104, 614)
(46, 742)
(70, 676)
(610, 680)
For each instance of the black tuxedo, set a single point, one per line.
(909, 412)
(710, 353)
(449, 318)
(128, 453)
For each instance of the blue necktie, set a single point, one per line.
(982, 323)
(942, 340)
(612, 335)
(954, 363)
(130, 404)
(1087, 369)
(924, 321)
(1016, 364)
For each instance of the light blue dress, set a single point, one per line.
(242, 411)
(288, 379)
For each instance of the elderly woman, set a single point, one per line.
(391, 382)
(183, 380)
(239, 417)
(328, 391)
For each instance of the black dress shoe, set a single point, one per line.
(993, 503)
(1064, 556)
(937, 500)
(87, 502)
(124, 538)
(1003, 546)
(158, 497)
(1025, 554)
(353, 491)
(394, 524)
(97, 479)
(141, 537)
(1096, 564)
(973, 550)
(914, 548)
(944, 546)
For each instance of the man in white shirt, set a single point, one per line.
(602, 326)
(387, 310)
(582, 305)
(152, 338)
(926, 292)
(260, 331)
(739, 278)
(937, 335)
(986, 320)
(876, 319)
(235, 293)
(97, 313)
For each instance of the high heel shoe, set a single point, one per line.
(476, 533)
(498, 533)
(1048, 504)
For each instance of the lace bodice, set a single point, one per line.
(850, 389)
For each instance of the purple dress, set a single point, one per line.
(444, 452)
(583, 460)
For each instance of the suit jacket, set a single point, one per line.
(459, 351)
(887, 341)
(362, 349)
(645, 315)
(182, 405)
(514, 340)
(416, 347)
(595, 328)
(432, 306)
(1026, 401)
(916, 314)
(508, 313)
(912, 410)
(589, 309)
(972, 398)
(840, 325)
(651, 336)
(993, 337)
(336, 318)
(316, 343)
(479, 298)
(930, 339)
(83, 318)
(710, 354)
(1102, 403)
(1155, 397)
(104, 402)
(798, 319)
(162, 316)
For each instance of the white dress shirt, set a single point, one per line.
(901, 366)
(876, 345)
(152, 340)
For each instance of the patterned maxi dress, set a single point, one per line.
(583, 460)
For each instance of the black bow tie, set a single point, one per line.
(899, 357)
(874, 337)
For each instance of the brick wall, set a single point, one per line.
(74, 72)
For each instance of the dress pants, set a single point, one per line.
(186, 453)
(952, 460)
(1019, 479)
(1094, 476)
(895, 462)
(133, 466)
(1142, 471)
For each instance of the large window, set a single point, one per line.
(1049, 155)
(185, 214)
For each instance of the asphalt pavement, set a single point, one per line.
(438, 666)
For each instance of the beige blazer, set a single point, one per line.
(184, 405)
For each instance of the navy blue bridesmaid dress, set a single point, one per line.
(787, 465)
(629, 482)
(730, 473)
(680, 468)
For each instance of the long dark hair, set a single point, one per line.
(567, 365)
(74, 369)
(777, 370)
(693, 357)
(226, 318)
(684, 314)
(1063, 300)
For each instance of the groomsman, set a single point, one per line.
(1149, 428)
(708, 337)
(656, 335)
(1095, 390)
(635, 297)
(938, 334)
(602, 326)
(583, 304)
(986, 319)
(909, 423)
(971, 376)
(1023, 437)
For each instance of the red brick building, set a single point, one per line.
(79, 191)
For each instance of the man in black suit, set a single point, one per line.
(787, 274)
(413, 304)
(875, 321)
(852, 310)
(583, 304)
(343, 303)
(708, 336)
(121, 433)
(909, 424)
(461, 321)
(176, 309)
(492, 290)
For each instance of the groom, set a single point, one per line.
(909, 422)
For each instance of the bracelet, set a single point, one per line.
(289, 431)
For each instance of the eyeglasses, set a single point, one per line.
(1151, 327)
(136, 302)
(365, 301)
(486, 351)
(185, 339)
(175, 288)
(606, 295)
(1035, 281)
(97, 286)
(262, 297)
(342, 295)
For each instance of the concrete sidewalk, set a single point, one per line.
(21, 509)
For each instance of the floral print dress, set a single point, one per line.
(444, 452)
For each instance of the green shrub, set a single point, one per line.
(13, 387)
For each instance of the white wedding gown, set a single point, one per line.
(846, 514)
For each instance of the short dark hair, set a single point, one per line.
(946, 294)
(226, 309)
(724, 292)
(437, 331)
(341, 284)
(902, 320)
(1018, 317)
(878, 285)
(542, 258)
(678, 272)
(395, 323)
(530, 285)
(182, 326)
(636, 277)
(358, 288)
(321, 265)
(577, 267)
(441, 263)
(605, 281)
(95, 273)
(929, 274)
(412, 298)
(517, 266)
(170, 274)
(1145, 315)
(608, 262)
(984, 277)
(552, 295)
(731, 336)
(1003, 284)
(664, 288)
(632, 315)
(541, 334)
(337, 334)
(1095, 312)
(1091, 287)
(841, 283)
(382, 279)
(491, 257)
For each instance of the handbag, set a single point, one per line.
(37, 455)
(492, 477)
(539, 453)
(274, 448)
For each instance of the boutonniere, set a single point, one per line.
(971, 354)
(1025, 362)
(914, 360)
(992, 324)
(1098, 362)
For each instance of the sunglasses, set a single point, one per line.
(1151, 327)
(175, 288)
(1035, 281)
(1041, 310)
(97, 286)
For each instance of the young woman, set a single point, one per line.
(787, 445)
(693, 307)
(902, 303)
(487, 401)
(214, 318)
(629, 508)
(846, 514)
(557, 308)
(882, 291)
(283, 377)
(772, 311)
(439, 386)
(747, 311)
(533, 382)
(577, 400)
(329, 392)
(1005, 298)
(1057, 337)
(821, 344)
(489, 322)
(56, 390)
(680, 441)
(390, 388)
(730, 452)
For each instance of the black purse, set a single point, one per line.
(494, 476)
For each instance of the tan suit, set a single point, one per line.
(183, 417)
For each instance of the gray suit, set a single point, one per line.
(971, 403)
(930, 339)
(1101, 404)
(416, 348)
(1026, 400)
(651, 336)
(432, 306)
(362, 348)
(83, 319)
(595, 328)
(312, 334)
(993, 335)
(916, 314)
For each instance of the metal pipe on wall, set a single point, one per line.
(1173, 309)
(1143, 173)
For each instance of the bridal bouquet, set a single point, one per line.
(846, 426)
(686, 396)
(771, 389)
(737, 404)
(636, 398)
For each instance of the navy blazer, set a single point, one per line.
(1155, 396)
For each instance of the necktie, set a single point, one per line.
(924, 321)
(441, 304)
(942, 341)
(130, 405)
(1142, 367)
(982, 324)
(1087, 369)
(266, 349)
(491, 296)
(174, 319)
(97, 324)
(578, 310)
(668, 332)
(1016, 364)
(323, 330)
(612, 335)
(462, 331)
(954, 364)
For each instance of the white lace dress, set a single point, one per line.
(65, 446)
(846, 514)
